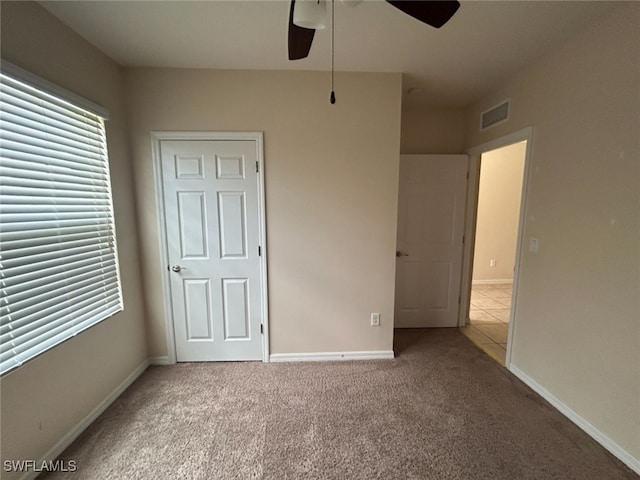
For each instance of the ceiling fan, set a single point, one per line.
(307, 16)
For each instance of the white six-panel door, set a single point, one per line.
(211, 211)
(431, 205)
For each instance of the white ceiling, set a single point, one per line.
(481, 45)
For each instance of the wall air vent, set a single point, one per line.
(495, 115)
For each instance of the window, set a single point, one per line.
(58, 258)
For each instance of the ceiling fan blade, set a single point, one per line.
(300, 39)
(434, 13)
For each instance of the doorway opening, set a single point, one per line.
(495, 218)
(494, 251)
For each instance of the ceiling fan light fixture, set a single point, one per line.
(310, 14)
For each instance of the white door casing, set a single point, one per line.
(431, 211)
(213, 220)
(526, 134)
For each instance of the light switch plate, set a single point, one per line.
(533, 245)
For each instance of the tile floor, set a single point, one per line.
(489, 319)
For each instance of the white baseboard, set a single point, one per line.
(75, 432)
(619, 452)
(331, 356)
(500, 281)
(160, 361)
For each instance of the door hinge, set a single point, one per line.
(257, 167)
(459, 300)
(261, 329)
(259, 251)
(467, 174)
(463, 239)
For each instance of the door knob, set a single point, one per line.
(400, 254)
(177, 268)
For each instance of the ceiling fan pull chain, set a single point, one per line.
(332, 97)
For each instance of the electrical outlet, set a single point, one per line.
(375, 319)
(492, 262)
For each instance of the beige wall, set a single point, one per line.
(44, 399)
(499, 195)
(331, 176)
(432, 130)
(577, 328)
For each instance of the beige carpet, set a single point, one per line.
(441, 410)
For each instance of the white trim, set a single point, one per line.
(55, 451)
(164, 253)
(262, 235)
(468, 236)
(258, 138)
(332, 356)
(618, 451)
(506, 140)
(526, 134)
(502, 281)
(199, 135)
(160, 361)
(52, 89)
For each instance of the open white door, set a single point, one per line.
(431, 207)
(212, 221)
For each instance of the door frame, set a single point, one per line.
(473, 188)
(156, 138)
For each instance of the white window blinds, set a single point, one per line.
(58, 259)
